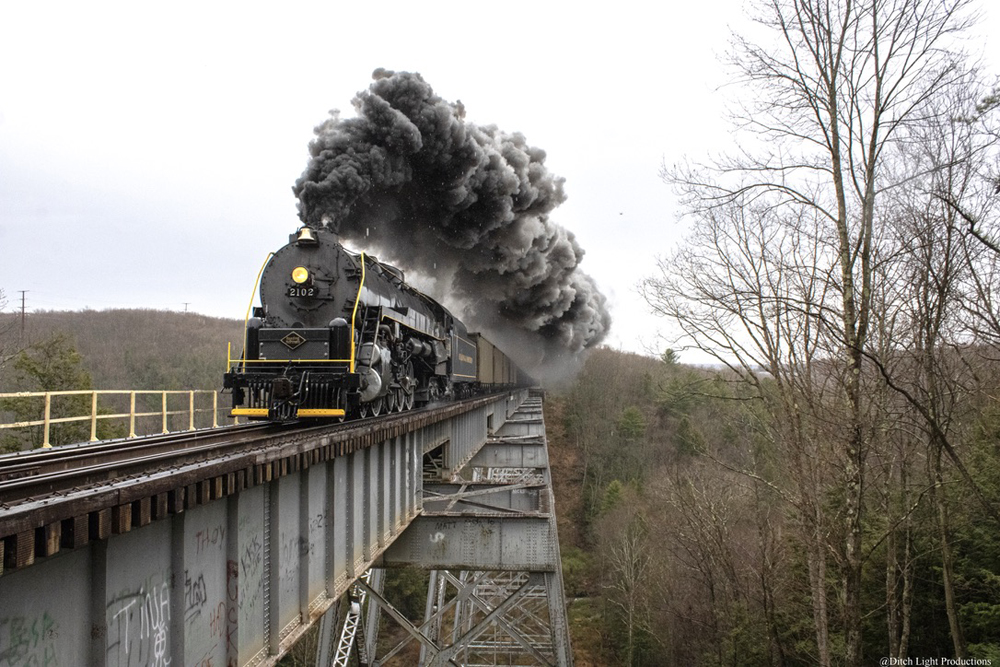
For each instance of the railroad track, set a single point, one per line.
(28, 475)
(31, 475)
(65, 497)
(45, 476)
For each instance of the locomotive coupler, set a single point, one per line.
(285, 398)
(281, 389)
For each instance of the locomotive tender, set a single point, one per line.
(341, 335)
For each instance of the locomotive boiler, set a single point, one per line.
(339, 335)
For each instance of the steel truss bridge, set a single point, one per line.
(226, 546)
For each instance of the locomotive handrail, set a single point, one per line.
(47, 419)
(354, 313)
(244, 361)
(246, 320)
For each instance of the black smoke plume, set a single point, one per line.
(465, 205)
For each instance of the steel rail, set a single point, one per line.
(27, 476)
(66, 457)
(64, 468)
(27, 488)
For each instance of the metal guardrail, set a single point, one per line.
(164, 413)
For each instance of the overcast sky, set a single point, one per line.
(147, 151)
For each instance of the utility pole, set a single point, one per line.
(23, 292)
(186, 306)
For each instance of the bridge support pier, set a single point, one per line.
(488, 535)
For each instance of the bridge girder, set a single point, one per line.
(489, 539)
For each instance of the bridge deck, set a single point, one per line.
(229, 558)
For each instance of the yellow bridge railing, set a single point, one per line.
(117, 399)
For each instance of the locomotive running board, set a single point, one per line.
(303, 412)
(248, 412)
(321, 412)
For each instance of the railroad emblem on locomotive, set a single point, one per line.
(293, 340)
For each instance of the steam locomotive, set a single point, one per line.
(341, 335)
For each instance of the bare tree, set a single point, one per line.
(738, 290)
(962, 154)
(832, 86)
(625, 543)
(976, 198)
(751, 289)
(717, 542)
(940, 282)
(8, 346)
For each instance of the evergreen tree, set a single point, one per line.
(50, 365)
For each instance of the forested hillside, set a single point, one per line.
(684, 539)
(130, 349)
(109, 350)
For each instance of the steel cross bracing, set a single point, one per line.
(488, 535)
(353, 635)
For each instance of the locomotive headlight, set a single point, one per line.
(300, 274)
